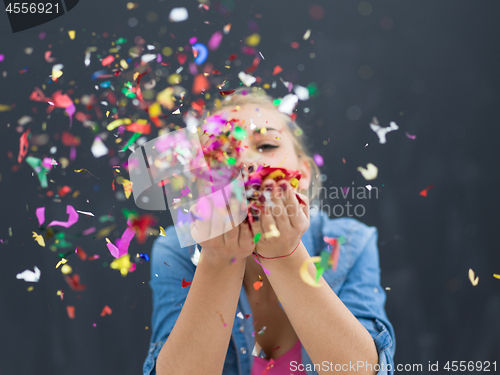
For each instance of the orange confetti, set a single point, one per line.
(48, 58)
(81, 254)
(139, 128)
(277, 69)
(71, 311)
(257, 285)
(23, 146)
(200, 84)
(294, 45)
(106, 311)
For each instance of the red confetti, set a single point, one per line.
(81, 254)
(225, 93)
(257, 285)
(106, 311)
(139, 128)
(71, 311)
(181, 57)
(69, 139)
(232, 57)
(423, 193)
(23, 146)
(108, 60)
(277, 70)
(294, 45)
(247, 316)
(74, 282)
(113, 185)
(254, 66)
(185, 283)
(141, 225)
(64, 190)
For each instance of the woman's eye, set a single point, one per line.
(266, 147)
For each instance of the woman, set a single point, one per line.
(224, 324)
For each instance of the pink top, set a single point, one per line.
(281, 365)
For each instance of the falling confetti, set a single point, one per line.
(185, 283)
(30, 276)
(39, 238)
(70, 310)
(472, 277)
(304, 272)
(178, 15)
(162, 232)
(381, 132)
(370, 173)
(106, 311)
(423, 193)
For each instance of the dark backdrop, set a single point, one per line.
(433, 69)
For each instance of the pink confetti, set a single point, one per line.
(40, 214)
(410, 136)
(318, 159)
(123, 243)
(2, 57)
(215, 40)
(42, 35)
(267, 272)
(88, 231)
(72, 219)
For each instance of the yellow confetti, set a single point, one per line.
(107, 113)
(278, 138)
(279, 165)
(123, 264)
(294, 182)
(274, 232)
(127, 187)
(162, 232)
(71, 34)
(496, 276)
(123, 64)
(154, 110)
(62, 261)
(304, 274)
(227, 28)
(252, 40)
(116, 123)
(263, 130)
(472, 277)
(370, 173)
(39, 238)
(66, 269)
(5, 107)
(30, 288)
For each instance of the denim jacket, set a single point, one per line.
(356, 281)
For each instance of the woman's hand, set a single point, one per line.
(281, 224)
(221, 243)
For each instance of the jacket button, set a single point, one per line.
(243, 350)
(242, 329)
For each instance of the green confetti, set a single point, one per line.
(277, 102)
(121, 41)
(41, 171)
(313, 89)
(341, 240)
(239, 133)
(131, 140)
(256, 238)
(231, 161)
(129, 214)
(325, 256)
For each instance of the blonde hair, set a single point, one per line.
(258, 96)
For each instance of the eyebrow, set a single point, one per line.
(258, 130)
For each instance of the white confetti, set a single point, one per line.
(195, 258)
(370, 173)
(148, 57)
(301, 92)
(288, 104)
(307, 34)
(85, 213)
(98, 148)
(178, 15)
(381, 132)
(240, 315)
(30, 276)
(247, 79)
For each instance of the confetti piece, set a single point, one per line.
(143, 256)
(70, 311)
(257, 285)
(318, 159)
(72, 219)
(39, 238)
(185, 283)
(410, 136)
(472, 277)
(40, 214)
(62, 261)
(81, 253)
(288, 103)
(277, 70)
(240, 315)
(222, 319)
(71, 34)
(74, 282)
(66, 269)
(5, 107)
(40, 169)
(23, 146)
(496, 276)
(423, 193)
(256, 237)
(131, 140)
(381, 132)
(226, 93)
(127, 187)
(215, 40)
(30, 276)
(162, 232)
(123, 264)
(85, 213)
(200, 52)
(304, 273)
(60, 293)
(264, 268)
(106, 311)
(98, 148)
(307, 34)
(273, 232)
(246, 79)
(83, 170)
(370, 173)
(178, 14)
(252, 40)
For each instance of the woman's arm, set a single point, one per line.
(324, 325)
(200, 337)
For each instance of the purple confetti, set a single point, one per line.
(410, 136)
(318, 159)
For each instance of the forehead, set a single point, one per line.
(261, 116)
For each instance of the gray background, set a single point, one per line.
(435, 72)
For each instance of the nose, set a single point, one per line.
(251, 166)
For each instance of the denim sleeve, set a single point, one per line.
(365, 298)
(169, 265)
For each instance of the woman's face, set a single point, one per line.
(268, 141)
